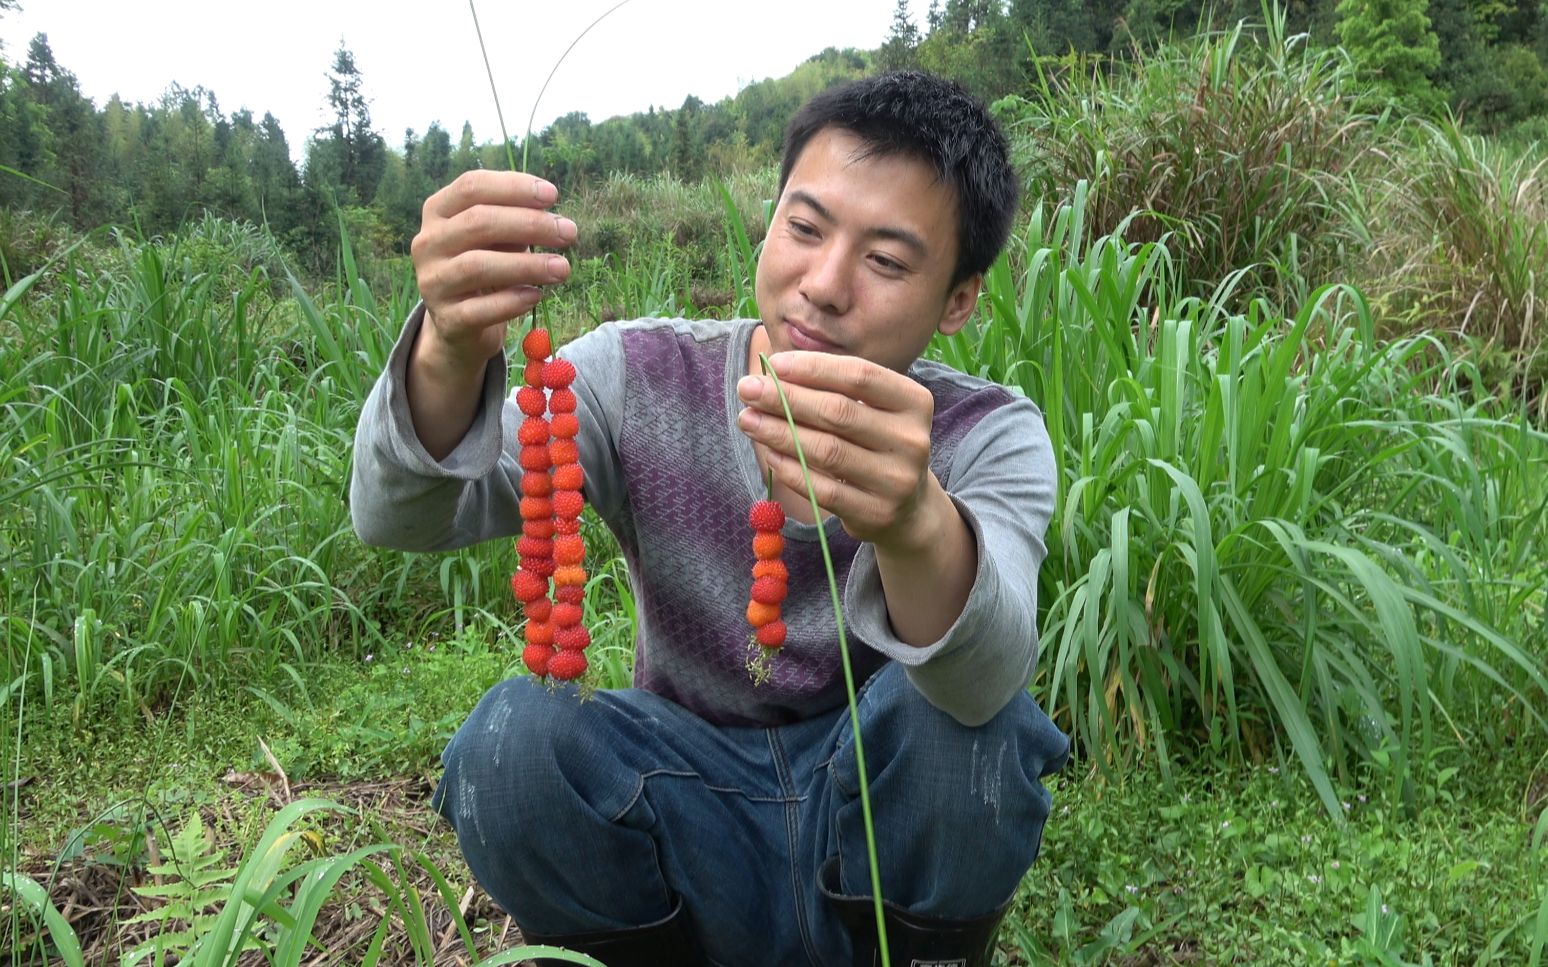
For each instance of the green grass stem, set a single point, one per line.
(849, 675)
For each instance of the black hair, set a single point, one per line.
(933, 120)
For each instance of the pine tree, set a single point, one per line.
(1391, 43)
(898, 51)
(351, 156)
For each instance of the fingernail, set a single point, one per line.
(747, 386)
(558, 268)
(544, 192)
(566, 228)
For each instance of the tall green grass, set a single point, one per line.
(1277, 537)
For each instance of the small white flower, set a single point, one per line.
(1225, 824)
(1384, 910)
(1065, 811)
(1274, 804)
(1346, 807)
(1362, 797)
(1131, 888)
(1306, 840)
(369, 658)
(1313, 878)
(1273, 770)
(1336, 864)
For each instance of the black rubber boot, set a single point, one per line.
(913, 940)
(666, 943)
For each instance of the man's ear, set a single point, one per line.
(959, 304)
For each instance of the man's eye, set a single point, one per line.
(802, 229)
(888, 264)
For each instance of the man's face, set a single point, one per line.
(859, 256)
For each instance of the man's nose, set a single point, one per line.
(826, 282)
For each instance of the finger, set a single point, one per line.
(860, 379)
(497, 227)
(477, 271)
(856, 507)
(825, 452)
(481, 187)
(485, 309)
(820, 409)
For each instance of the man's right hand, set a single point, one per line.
(477, 271)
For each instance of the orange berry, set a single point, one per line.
(565, 425)
(536, 344)
(531, 400)
(562, 451)
(533, 432)
(535, 459)
(771, 569)
(540, 632)
(568, 476)
(567, 665)
(568, 549)
(536, 508)
(760, 614)
(536, 484)
(561, 401)
(772, 635)
(767, 545)
(569, 576)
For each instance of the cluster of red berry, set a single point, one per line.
(771, 581)
(551, 545)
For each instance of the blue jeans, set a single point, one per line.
(579, 816)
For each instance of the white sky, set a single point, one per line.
(420, 62)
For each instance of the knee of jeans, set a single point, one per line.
(939, 757)
(509, 750)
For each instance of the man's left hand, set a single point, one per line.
(865, 431)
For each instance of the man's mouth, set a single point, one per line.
(805, 339)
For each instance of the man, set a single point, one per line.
(702, 817)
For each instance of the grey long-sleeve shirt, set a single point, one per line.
(672, 477)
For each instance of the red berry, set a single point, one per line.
(570, 594)
(534, 547)
(568, 476)
(537, 658)
(539, 526)
(536, 484)
(566, 525)
(771, 569)
(564, 425)
(558, 373)
(527, 586)
(541, 566)
(536, 508)
(532, 375)
(567, 665)
(566, 615)
(536, 344)
(767, 590)
(531, 401)
(572, 638)
(541, 609)
(533, 432)
(766, 515)
(568, 503)
(561, 401)
(772, 635)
